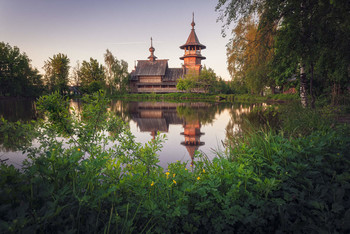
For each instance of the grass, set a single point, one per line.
(183, 97)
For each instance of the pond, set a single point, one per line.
(188, 127)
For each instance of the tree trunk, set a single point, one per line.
(311, 87)
(273, 90)
(303, 86)
(335, 93)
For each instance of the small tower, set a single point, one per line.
(192, 57)
(152, 57)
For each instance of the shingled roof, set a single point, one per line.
(192, 39)
(151, 68)
(156, 68)
(172, 74)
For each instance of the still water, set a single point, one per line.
(188, 127)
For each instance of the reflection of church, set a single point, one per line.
(156, 117)
(192, 133)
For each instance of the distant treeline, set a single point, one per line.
(19, 78)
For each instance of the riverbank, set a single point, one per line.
(183, 97)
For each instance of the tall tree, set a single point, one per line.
(75, 78)
(249, 56)
(307, 31)
(117, 75)
(92, 76)
(17, 77)
(57, 73)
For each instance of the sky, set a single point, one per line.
(86, 28)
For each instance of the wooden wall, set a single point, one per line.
(150, 79)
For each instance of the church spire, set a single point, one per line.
(193, 23)
(152, 57)
(192, 57)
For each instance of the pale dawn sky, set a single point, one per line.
(86, 28)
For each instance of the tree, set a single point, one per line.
(249, 56)
(186, 84)
(17, 77)
(205, 82)
(75, 78)
(56, 73)
(117, 76)
(308, 34)
(92, 76)
(208, 80)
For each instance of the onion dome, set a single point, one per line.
(152, 57)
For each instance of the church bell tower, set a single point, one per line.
(192, 57)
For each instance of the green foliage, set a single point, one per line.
(310, 175)
(271, 97)
(311, 35)
(249, 56)
(15, 135)
(117, 75)
(206, 82)
(88, 174)
(92, 76)
(297, 121)
(56, 73)
(17, 77)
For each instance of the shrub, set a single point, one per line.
(77, 181)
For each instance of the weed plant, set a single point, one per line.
(267, 182)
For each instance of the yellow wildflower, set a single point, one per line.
(203, 170)
(174, 181)
(78, 149)
(152, 183)
(55, 149)
(167, 174)
(185, 169)
(174, 175)
(198, 178)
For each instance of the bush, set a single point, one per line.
(267, 182)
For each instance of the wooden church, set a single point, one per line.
(154, 75)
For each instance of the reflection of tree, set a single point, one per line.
(16, 130)
(14, 109)
(15, 135)
(121, 109)
(204, 112)
(250, 118)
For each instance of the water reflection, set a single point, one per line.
(18, 109)
(154, 117)
(192, 133)
(188, 126)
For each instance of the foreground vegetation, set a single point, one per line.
(295, 180)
